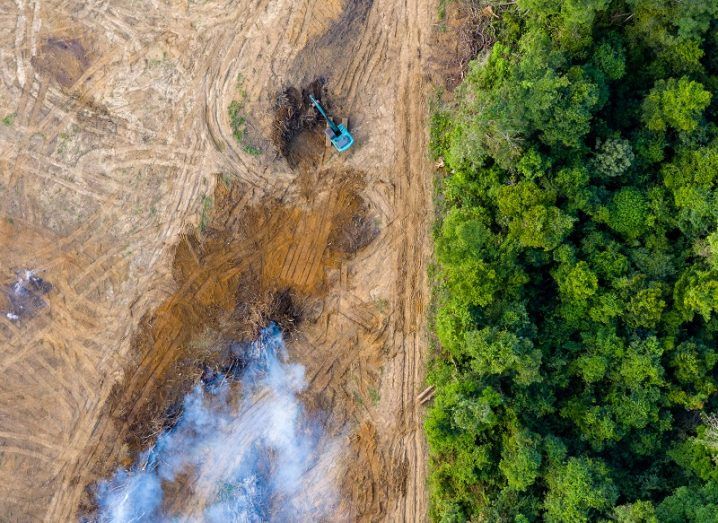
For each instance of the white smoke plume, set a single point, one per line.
(239, 453)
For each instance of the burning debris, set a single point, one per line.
(242, 450)
(25, 295)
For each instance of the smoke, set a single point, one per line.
(241, 452)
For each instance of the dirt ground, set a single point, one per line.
(158, 236)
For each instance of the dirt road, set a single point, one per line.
(115, 134)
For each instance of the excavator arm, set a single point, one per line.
(340, 137)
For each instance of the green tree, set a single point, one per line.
(613, 157)
(610, 58)
(638, 512)
(578, 490)
(576, 282)
(520, 459)
(689, 505)
(628, 212)
(696, 292)
(645, 307)
(495, 352)
(542, 227)
(677, 104)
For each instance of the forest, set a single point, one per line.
(576, 275)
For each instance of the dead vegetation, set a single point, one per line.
(297, 128)
(468, 28)
(477, 31)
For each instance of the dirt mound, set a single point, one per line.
(354, 228)
(298, 128)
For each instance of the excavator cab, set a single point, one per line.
(338, 134)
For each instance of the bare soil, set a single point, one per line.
(163, 239)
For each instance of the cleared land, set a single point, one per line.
(162, 234)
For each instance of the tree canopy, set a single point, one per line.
(577, 269)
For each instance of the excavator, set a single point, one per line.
(337, 134)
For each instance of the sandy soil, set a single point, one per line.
(122, 185)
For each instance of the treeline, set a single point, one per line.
(577, 269)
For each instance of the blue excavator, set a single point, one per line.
(338, 134)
